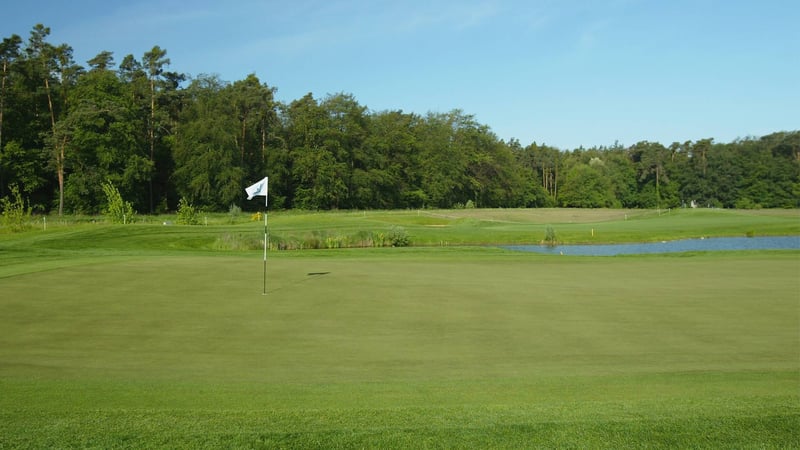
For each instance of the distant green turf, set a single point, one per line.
(145, 336)
(527, 226)
(424, 228)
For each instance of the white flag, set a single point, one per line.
(259, 188)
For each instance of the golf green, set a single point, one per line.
(439, 347)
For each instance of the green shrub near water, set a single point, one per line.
(550, 236)
(398, 237)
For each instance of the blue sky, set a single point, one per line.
(566, 73)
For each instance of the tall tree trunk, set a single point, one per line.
(555, 183)
(60, 148)
(544, 180)
(50, 104)
(151, 136)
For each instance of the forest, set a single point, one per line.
(161, 137)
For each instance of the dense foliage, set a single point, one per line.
(159, 136)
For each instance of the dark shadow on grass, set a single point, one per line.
(309, 276)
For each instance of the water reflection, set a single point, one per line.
(686, 245)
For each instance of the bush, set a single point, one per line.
(746, 203)
(117, 210)
(16, 215)
(398, 237)
(187, 213)
(550, 236)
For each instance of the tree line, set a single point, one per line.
(160, 137)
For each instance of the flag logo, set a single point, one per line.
(259, 188)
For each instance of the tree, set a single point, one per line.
(444, 172)
(587, 186)
(254, 109)
(102, 61)
(317, 178)
(248, 103)
(64, 131)
(535, 195)
(25, 166)
(56, 69)
(392, 176)
(154, 62)
(319, 185)
(620, 171)
(652, 161)
(544, 162)
(9, 52)
(346, 128)
(696, 185)
(206, 153)
(40, 55)
(100, 132)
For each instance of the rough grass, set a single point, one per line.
(296, 229)
(145, 336)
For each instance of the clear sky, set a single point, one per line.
(566, 73)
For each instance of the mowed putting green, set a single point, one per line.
(435, 347)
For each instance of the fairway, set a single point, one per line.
(393, 347)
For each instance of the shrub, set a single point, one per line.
(746, 203)
(16, 216)
(117, 210)
(398, 237)
(187, 213)
(550, 236)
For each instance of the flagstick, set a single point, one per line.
(261, 188)
(266, 239)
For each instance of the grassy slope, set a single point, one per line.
(123, 337)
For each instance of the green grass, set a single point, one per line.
(148, 336)
(527, 226)
(424, 227)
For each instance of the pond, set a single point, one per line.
(685, 245)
